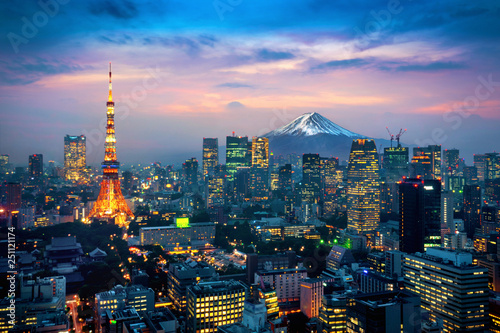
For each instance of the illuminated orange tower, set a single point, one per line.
(110, 203)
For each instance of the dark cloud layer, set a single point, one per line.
(266, 55)
(339, 64)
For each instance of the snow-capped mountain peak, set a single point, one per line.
(312, 124)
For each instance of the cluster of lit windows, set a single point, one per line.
(442, 290)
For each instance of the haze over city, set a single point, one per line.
(184, 70)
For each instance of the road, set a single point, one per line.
(71, 302)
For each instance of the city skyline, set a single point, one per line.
(205, 69)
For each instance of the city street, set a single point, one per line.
(71, 302)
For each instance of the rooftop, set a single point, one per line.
(448, 257)
(215, 287)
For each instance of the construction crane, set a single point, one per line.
(390, 134)
(397, 136)
(401, 132)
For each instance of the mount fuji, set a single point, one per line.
(313, 133)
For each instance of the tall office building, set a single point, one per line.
(248, 160)
(181, 275)
(259, 173)
(434, 154)
(35, 167)
(260, 152)
(489, 220)
(332, 314)
(75, 157)
(269, 297)
(311, 294)
(419, 214)
(450, 287)
(4, 165)
(447, 202)
(242, 182)
(432, 207)
(492, 166)
(489, 215)
(259, 183)
(470, 175)
(311, 178)
(210, 156)
(213, 304)
(455, 184)
(480, 164)
(411, 216)
(363, 187)
(421, 166)
(190, 173)
(328, 172)
(285, 179)
(395, 163)
(236, 154)
(11, 195)
(389, 198)
(215, 194)
(451, 158)
(472, 209)
(128, 180)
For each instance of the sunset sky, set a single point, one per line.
(188, 69)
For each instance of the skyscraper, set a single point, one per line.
(110, 203)
(472, 209)
(432, 207)
(259, 183)
(411, 216)
(470, 175)
(236, 154)
(492, 166)
(450, 287)
(434, 154)
(328, 172)
(451, 158)
(4, 164)
(11, 194)
(285, 179)
(480, 164)
(395, 163)
(421, 166)
(260, 152)
(35, 168)
(259, 173)
(447, 203)
(210, 156)
(190, 172)
(311, 178)
(75, 158)
(363, 187)
(215, 191)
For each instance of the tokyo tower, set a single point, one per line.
(110, 203)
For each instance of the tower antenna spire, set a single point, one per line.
(110, 204)
(110, 98)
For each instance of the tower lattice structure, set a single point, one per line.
(110, 203)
